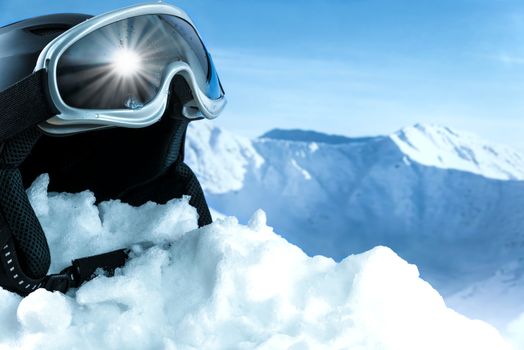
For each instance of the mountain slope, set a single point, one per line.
(447, 202)
(219, 158)
(497, 298)
(444, 148)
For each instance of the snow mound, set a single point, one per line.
(224, 286)
(442, 147)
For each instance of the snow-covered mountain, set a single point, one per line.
(446, 200)
(444, 148)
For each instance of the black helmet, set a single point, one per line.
(22, 42)
(134, 165)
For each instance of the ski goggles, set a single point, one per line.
(116, 70)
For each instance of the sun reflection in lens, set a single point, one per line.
(126, 62)
(121, 65)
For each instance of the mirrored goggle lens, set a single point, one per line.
(121, 65)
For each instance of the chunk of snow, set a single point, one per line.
(86, 229)
(226, 286)
(43, 311)
(258, 221)
(313, 147)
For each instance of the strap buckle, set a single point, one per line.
(62, 281)
(84, 269)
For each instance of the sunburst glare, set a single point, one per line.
(126, 62)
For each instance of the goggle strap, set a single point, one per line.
(24, 105)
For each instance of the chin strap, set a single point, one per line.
(84, 269)
(24, 105)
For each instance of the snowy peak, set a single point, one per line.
(221, 159)
(441, 147)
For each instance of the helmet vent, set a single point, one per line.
(47, 31)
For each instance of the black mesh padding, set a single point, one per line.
(16, 150)
(178, 181)
(192, 187)
(28, 236)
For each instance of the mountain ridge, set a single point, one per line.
(442, 147)
(301, 135)
(431, 145)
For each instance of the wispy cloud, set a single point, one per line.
(359, 97)
(510, 59)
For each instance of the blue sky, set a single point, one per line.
(355, 67)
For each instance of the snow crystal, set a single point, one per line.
(224, 286)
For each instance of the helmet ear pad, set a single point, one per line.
(26, 232)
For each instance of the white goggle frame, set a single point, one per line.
(72, 120)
